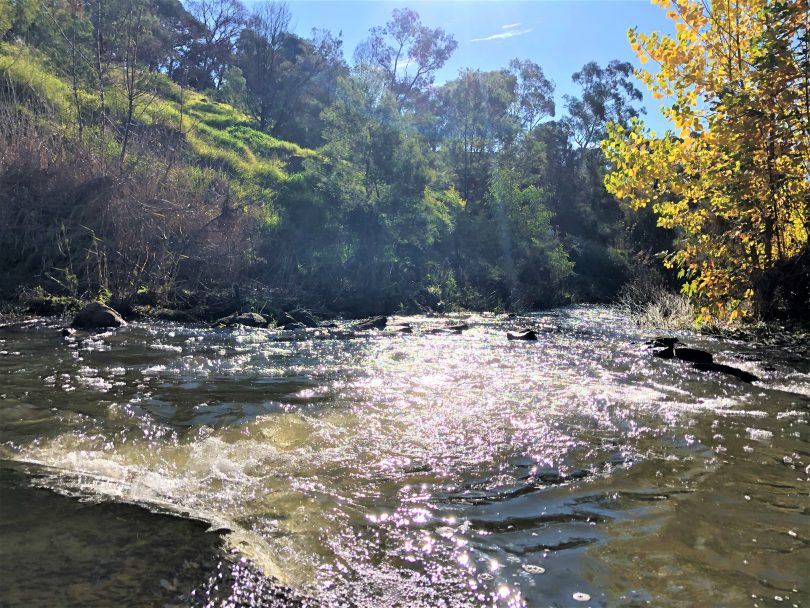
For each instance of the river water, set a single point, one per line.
(174, 465)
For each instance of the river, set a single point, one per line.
(176, 465)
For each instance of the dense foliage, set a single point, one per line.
(734, 176)
(155, 148)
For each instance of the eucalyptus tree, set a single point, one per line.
(259, 56)
(212, 52)
(476, 122)
(609, 94)
(407, 54)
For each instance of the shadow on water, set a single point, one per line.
(59, 551)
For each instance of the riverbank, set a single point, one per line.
(277, 307)
(658, 311)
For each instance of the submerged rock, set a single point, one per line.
(664, 348)
(459, 327)
(373, 323)
(294, 326)
(693, 355)
(662, 342)
(727, 369)
(297, 316)
(96, 315)
(440, 331)
(170, 314)
(248, 319)
(285, 318)
(528, 334)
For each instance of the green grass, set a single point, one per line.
(267, 145)
(217, 135)
(24, 73)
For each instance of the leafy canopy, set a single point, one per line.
(733, 176)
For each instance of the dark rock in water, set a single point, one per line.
(450, 329)
(726, 369)
(168, 314)
(373, 323)
(664, 353)
(96, 315)
(664, 348)
(329, 325)
(251, 319)
(305, 317)
(693, 355)
(248, 319)
(404, 329)
(528, 334)
(67, 332)
(297, 316)
(662, 342)
(285, 318)
(438, 331)
(294, 326)
(124, 308)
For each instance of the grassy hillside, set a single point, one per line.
(77, 220)
(213, 134)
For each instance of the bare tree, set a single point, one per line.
(137, 78)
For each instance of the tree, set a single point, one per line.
(733, 176)
(259, 56)
(535, 94)
(510, 247)
(68, 31)
(476, 122)
(608, 95)
(307, 82)
(407, 53)
(173, 38)
(223, 20)
(6, 17)
(136, 31)
(18, 16)
(363, 225)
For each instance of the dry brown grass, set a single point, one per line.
(648, 302)
(77, 226)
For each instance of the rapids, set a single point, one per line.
(416, 470)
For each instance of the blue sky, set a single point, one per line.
(560, 35)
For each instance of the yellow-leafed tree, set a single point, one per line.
(733, 175)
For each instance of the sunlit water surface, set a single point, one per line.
(400, 470)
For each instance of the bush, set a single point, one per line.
(648, 301)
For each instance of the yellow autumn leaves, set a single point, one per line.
(732, 177)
